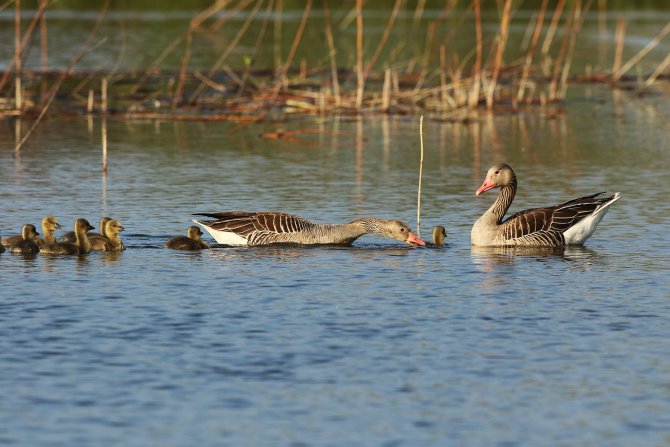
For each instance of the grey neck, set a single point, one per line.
(503, 201)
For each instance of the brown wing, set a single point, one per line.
(246, 224)
(545, 226)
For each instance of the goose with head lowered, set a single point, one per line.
(243, 228)
(569, 223)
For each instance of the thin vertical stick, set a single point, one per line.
(44, 46)
(103, 95)
(277, 34)
(332, 53)
(89, 102)
(502, 41)
(618, 53)
(552, 27)
(17, 54)
(418, 204)
(359, 54)
(473, 98)
(294, 47)
(382, 41)
(104, 145)
(179, 91)
(531, 51)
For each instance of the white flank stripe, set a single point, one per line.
(224, 237)
(579, 233)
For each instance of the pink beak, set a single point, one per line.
(414, 239)
(488, 184)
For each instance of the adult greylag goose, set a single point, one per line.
(27, 245)
(80, 247)
(70, 235)
(113, 241)
(11, 240)
(49, 226)
(191, 242)
(569, 223)
(243, 228)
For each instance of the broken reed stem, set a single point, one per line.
(418, 204)
(619, 39)
(552, 27)
(642, 53)
(104, 145)
(530, 53)
(17, 55)
(500, 48)
(103, 95)
(332, 53)
(360, 85)
(659, 70)
(179, 91)
(385, 36)
(294, 48)
(473, 97)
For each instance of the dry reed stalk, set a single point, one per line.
(360, 73)
(89, 102)
(44, 46)
(418, 12)
(580, 15)
(642, 53)
(231, 47)
(17, 55)
(104, 145)
(549, 37)
(294, 48)
(443, 74)
(553, 84)
(503, 33)
(425, 59)
(659, 70)
(619, 39)
(332, 53)
(259, 41)
(177, 97)
(382, 42)
(103, 95)
(531, 51)
(232, 11)
(418, 204)
(386, 91)
(277, 34)
(473, 97)
(54, 90)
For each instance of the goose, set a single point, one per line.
(243, 228)
(11, 240)
(191, 242)
(49, 226)
(113, 241)
(569, 223)
(439, 234)
(80, 247)
(70, 236)
(27, 245)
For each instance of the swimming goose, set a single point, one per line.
(113, 241)
(70, 236)
(49, 226)
(265, 228)
(570, 223)
(192, 242)
(11, 240)
(80, 247)
(27, 245)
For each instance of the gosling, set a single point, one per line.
(11, 240)
(27, 245)
(192, 242)
(49, 226)
(113, 242)
(439, 234)
(82, 245)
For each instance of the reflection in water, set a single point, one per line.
(488, 256)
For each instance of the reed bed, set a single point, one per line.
(438, 82)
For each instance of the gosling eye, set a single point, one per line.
(497, 172)
(402, 230)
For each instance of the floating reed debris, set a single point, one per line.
(426, 75)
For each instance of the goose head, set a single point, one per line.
(194, 233)
(81, 226)
(29, 232)
(498, 176)
(113, 228)
(50, 223)
(439, 234)
(399, 230)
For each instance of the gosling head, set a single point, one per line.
(50, 223)
(194, 233)
(82, 226)
(29, 232)
(439, 234)
(113, 228)
(498, 175)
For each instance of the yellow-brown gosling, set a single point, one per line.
(27, 245)
(439, 234)
(49, 226)
(192, 242)
(70, 236)
(114, 242)
(11, 240)
(80, 247)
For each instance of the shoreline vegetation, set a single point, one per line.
(438, 82)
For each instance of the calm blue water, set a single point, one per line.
(375, 345)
